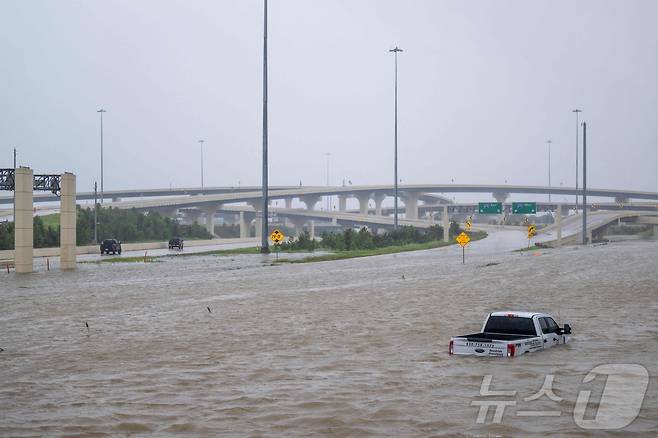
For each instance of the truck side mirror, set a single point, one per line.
(567, 329)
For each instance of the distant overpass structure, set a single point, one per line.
(418, 201)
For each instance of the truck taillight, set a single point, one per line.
(450, 347)
(511, 349)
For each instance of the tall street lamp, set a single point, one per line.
(201, 143)
(395, 52)
(264, 242)
(577, 111)
(101, 111)
(548, 142)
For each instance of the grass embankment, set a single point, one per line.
(342, 255)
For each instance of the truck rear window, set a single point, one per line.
(510, 324)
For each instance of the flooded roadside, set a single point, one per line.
(354, 347)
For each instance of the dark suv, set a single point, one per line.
(176, 242)
(110, 246)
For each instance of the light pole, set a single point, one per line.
(584, 183)
(264, 243)
(101, 111)
(395, 52)
(95, 212)
(328, 155)
(577, 111)
(201, 143)
(548, 142)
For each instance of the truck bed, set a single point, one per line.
(488, 337)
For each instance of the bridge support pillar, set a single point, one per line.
(379, 198)
(342, 203)
(310, 201)
(446, 224)
(244, 228)
(67, 219)
(312, 229)
(363, 202)
(23, 222)
(655, 231)
(558, 218)
(500, 196)
(410, 205)
(210, 211)
(288, 203)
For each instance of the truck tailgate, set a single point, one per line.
(479, 348)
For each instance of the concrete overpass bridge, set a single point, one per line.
(597, 222)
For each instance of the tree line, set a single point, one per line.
(350, 240)
(124, 225)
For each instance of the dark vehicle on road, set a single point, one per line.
(110, 246)
(176, 242)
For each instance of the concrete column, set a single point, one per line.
(210, 211)
(558, 218)
(655, 231)
(67, 219)
(23, 231)
(379, 198)
(500, 196)
(288, 202)
(258, 228)
(342, 203)
(310, 201)
(363, 202)
(312, 230)
(410, 205)
(244, 228)
(446, 224)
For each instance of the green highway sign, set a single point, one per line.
(490, 207)
(524, 207)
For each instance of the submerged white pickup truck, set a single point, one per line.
(512, 334)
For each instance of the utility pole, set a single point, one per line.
(101, 111)
(577, 111)
(201, 143)
(95, 212)
(14, 213)
(548, 142)
(264, 243)
(584, 183)
(395, 171)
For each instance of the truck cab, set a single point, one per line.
(512, 333)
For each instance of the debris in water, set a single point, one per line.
(489, 264)
(209, 311)
(403, 277)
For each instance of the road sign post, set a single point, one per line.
(277, 237)
(532, 231)
(490, 207)
(463, 240)
(524, 207)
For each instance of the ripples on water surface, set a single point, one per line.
(338, 348)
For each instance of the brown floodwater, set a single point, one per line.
(348, 348)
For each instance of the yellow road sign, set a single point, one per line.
(469, 224)
(532, 231)
(277, 236)
(463, 239)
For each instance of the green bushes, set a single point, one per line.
(125, 225)
(351, 240)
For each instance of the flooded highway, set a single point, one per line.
(237, 346)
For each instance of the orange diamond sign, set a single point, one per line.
(463, 239)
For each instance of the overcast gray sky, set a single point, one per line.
(483, 85)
